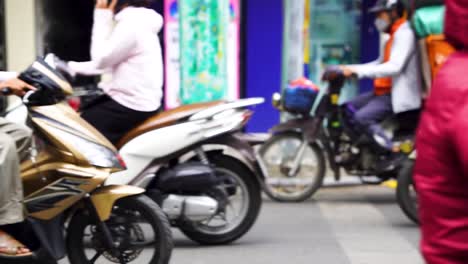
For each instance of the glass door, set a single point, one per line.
(334, 38)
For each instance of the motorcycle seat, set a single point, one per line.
(166, 118)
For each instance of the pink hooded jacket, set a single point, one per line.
(127, 46)
(441, 171)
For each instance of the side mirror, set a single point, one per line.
(276, 100)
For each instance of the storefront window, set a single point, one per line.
(335, 27)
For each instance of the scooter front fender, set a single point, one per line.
(104, 198)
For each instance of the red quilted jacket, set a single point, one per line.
(441, 171)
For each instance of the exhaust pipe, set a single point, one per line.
(193, 208)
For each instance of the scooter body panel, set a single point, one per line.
(140, 152)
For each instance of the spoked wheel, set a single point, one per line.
(295, 168)
(406, 193)
(239, 202)
(139, 229)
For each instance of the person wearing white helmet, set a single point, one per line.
(396, 74)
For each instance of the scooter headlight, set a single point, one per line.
(96, 154)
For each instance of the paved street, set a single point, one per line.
(343, 225)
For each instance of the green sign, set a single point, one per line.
(203, 50)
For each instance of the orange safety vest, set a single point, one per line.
(384, 85)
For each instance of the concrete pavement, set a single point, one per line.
(342, 225)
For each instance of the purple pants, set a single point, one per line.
(368, 110)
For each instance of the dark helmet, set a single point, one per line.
(385, 5)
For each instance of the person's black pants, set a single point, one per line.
(112, 119)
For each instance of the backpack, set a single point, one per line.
(428, 23)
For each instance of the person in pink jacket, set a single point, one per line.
(441, 170)
(125, 44)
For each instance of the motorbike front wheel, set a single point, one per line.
(406, 194)
(140, 231)
(295, 168)
(242, 208)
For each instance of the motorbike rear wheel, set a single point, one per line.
(230, 225)
(405, 192)
(278, 155)
(134, 220)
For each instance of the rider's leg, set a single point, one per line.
(374, 112)
(11, 195)
(359, 102)
(11, 191)
(370, 117)
(350, 109)
(14, 140)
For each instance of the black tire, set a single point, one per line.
(148, 210)
(403, 192)
(318, 179)
(253, 190)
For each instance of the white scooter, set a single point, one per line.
(193, 164)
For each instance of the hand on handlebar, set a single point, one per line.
(16, 86)
(347, 71)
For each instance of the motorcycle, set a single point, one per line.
(69, 210)
(194, 165)
(192, 161)
(294, 158)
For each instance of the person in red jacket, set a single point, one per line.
(441, 170)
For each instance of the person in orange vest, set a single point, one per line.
(396, 74)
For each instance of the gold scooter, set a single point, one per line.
(69, 211)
